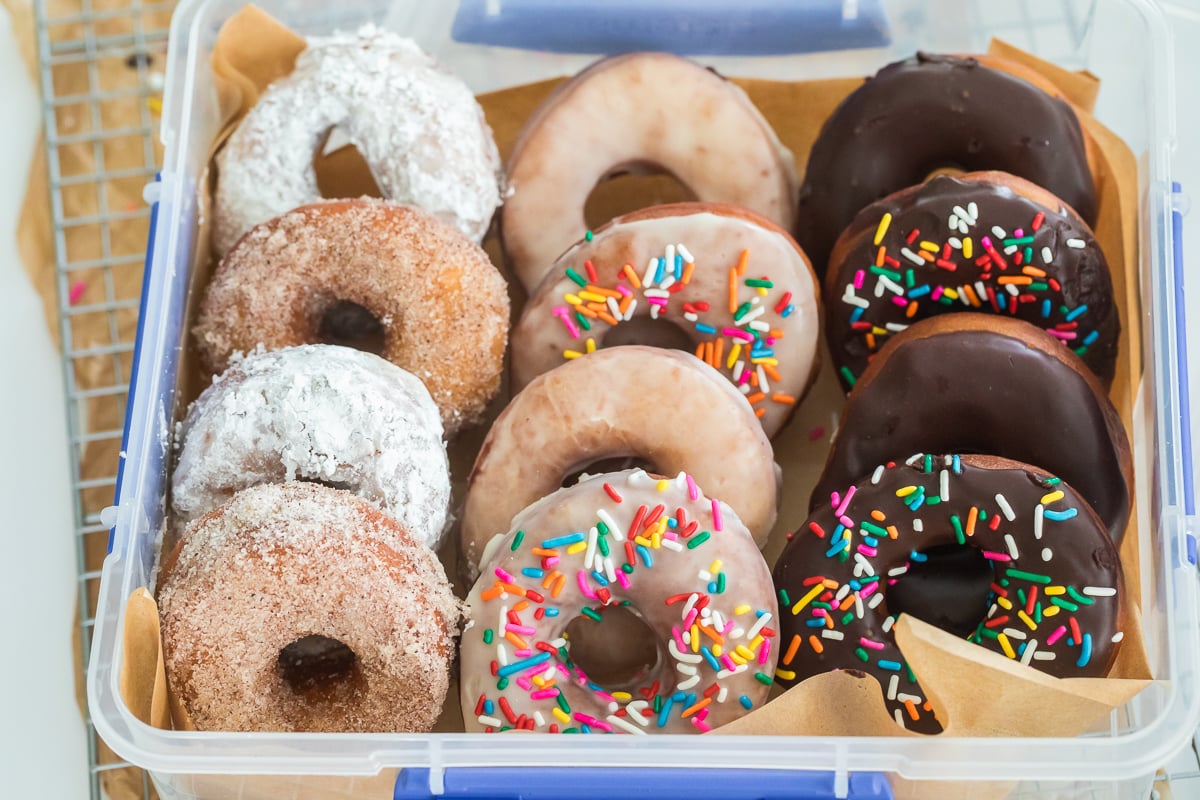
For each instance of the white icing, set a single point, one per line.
(417, 126)
(317, 412)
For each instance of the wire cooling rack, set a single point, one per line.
(100, 68)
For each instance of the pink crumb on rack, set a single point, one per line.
(816, 433)
(76, 292)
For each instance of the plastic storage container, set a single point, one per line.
(1126, 43)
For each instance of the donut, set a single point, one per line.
(929, 112)
(639, 112)
(417, 126)
(718, 279)
(373, 274)
(628, 541)
(296, 607)
(663, 408)
(1053, 602)
(987, 384)
(986, 241)
(318, 413)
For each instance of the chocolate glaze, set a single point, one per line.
(970, 383)
(930, 112)
(1081, 306)
(1081, 557)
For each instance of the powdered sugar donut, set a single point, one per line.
(658, 549)
(319, 413)
(296, 607)
(417, 126)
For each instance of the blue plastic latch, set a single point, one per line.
(684, 27)
(1185, 409)
(137, 350)
(510, 783)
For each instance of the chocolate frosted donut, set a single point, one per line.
(930, 112)
(985, 241)
(974, 383)
(1054, 598)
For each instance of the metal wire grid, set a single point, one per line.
(99, 67)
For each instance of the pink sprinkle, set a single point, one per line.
(716, 507)
(693, 490)
(621, 288)
(678, 634)
(77, 290)
(849, 523)
(868, 643)
(581, 577)
(1058, 634)
(728, 662)
(504, 576)
(525, 652)
(551, 561)
(701, 724)
(524, 630)
(563, 669)
(867, 591)
(858, 278)
(869, 552)
(525, 683)
(590, 720)
(702, 714)
(987, 242)
(564, 314)
(690, 618)
(745, 378)
(606, 697)
(1064, 335)
(937, 292)
(728, 627)
(835, 499)
(738, 333)
(991, 556)
(622, 579)
(544, 694)
(841, 509)
(820, 612)
(900, 301)
(764, 651)
(816, 433)
(1019, 233)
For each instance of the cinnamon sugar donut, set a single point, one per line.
(295, 607)
(434, 298)
(418, 127)
(319, 413)
(630, 113)
(663, 407)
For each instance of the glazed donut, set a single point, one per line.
(318, 413)
(630, 113)
(432, 297)
(684, 564)
(976, 383)
(730, 283)
(296, 607)
(661, 406)
(985, 241)
(929, 112)
(1054, 600)
(417, 126)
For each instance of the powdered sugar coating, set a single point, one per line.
(317, 413)
(443, 306)
(280, 562)
(418, 127)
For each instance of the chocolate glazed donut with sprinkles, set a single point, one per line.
(1054, 602)
(987, 242)
(626, 542)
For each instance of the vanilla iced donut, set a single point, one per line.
(418, 127)
(630, 113)
(318, 413)
(656, 548)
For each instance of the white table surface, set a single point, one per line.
(43, 751)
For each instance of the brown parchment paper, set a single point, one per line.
(253, 49)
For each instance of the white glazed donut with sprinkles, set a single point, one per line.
(656, 547)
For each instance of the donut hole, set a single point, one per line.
(602, 465)
(949, 589)
(319, 665)
(950, 170)
(632, 186)
(350, 325)
(340, 168)
(618, 651)
(650, 332)
(343, 485)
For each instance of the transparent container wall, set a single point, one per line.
(1120, 41)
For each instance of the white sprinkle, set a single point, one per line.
(590, 553)
(1013, 633)
(613, 308)
(558, 643)
(981, 290)
(962, 227)
(1044, 655)
(854, 300)
(755, 314)
(656, 293)
(1005, 508)
(991, 612)
(1099, 591)
(973, 210)
(686, 658)
(686, 669)
(944, 490)
(704, 575)
(1011, 544)
(654, 312)
(877, 474)
(632, 307)
(962, 213)
(691, 601)
(502, 654)
(899, 718)
(670, 258)
(744, 388)
(723, 694)
(651, 265)
(1038, 514)
(1012, 289)
(952, 223)
(690, 317)
(619, 722)
(917, 525)
(893, 685)
(999, 232)
(538, 719)
(962, 296)
(896, 327)
(758, 626)
(1030, 650)
(1118, 636)
(888, 622)
(841, 593)
(1012, 248)
(914, 459)
(760, 326)
(718, 620)
(892, 573)
(611, 572)
(890, 285)
(687, 254)
(1076, 244)
(763, 386)
(484, 719)
(836, 636)
(904, 697)
(756, 300)
(670, 544)
(861, 561)
(613, 529)
(736, 372)
(1047, 554)
(1047, 255)
(879, 287)
(635, 710)
(737, 633)
(875, 600)
(911, 256)
(955, 242)
(858, 606)
(668, 281)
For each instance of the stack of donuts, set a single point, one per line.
(609, 536)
